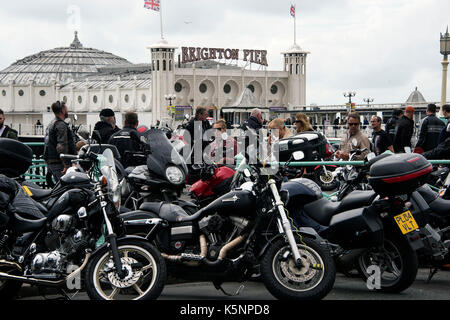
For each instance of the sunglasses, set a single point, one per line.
(353, 124)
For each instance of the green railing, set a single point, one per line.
(38, 170)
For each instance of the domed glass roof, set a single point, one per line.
(61, 65)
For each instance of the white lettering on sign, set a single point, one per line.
(191, 54)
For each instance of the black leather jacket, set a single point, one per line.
(429, 132)
(59, 139)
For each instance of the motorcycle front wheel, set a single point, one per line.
(146, 273)
(326, 181)
(285, 280)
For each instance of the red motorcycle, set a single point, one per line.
(214, 181)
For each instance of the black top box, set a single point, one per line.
(15, 157)
(399, 174)
(313, 145)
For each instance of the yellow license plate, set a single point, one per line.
(406, 222)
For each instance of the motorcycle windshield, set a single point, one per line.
(162, 153)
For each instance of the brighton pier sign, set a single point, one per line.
(191, 54)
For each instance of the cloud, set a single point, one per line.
(378, 48)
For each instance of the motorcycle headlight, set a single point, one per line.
(175, 175)
(112, 184)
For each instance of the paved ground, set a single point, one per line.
(344, 289)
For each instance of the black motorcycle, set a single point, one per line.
(162, 178)
(80, 235)
(351, 178)
(229, 239)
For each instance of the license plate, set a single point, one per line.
(406, 222)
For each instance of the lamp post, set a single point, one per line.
(368, 100)
(170, 97)
(349, 95)
(445, 51)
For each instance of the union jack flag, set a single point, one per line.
(292, 10)
(151, 4)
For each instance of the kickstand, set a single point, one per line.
(218, 286)
(433, 271)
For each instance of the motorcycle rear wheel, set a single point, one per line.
(285, 281)
(398, 264)
(146, 273)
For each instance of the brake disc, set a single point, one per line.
(130, 279)
(303, 274)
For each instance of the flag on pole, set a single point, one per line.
(152, 5)
(292, 10)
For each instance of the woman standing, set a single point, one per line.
(302, 123)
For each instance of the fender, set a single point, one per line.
(304, 232)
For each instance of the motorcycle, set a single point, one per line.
(162, 178)
(351, 178)
(229, 239)
(44, 246)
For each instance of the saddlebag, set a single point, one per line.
(15, 157)
(354, 229)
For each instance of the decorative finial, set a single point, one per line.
(76, 42)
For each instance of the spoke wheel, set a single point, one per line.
(145, 273)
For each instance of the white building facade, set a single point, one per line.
(90, 80)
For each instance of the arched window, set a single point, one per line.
(164, 65)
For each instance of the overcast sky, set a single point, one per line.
(381, 49)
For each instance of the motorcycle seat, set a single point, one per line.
(166, 211)
(41, 207)
(322, 210)
(39, 194)
(357, 199)
(440, 206)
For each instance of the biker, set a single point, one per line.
(355, 139)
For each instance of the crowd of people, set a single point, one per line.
(433, 138)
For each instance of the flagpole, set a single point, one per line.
(295, 25)
(160, 18)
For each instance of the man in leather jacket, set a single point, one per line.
(127, 140)
(404, 130)
(5, 131)
(430, 130)
(392, 122)
(442, 150)
(198, 124)
(59, 139)
(107, 125)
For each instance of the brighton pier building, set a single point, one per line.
(89, 80)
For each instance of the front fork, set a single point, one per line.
(285, 224)
(111, 237)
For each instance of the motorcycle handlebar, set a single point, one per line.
(68, 156)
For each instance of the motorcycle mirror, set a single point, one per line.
(75, 117)
(298, 155)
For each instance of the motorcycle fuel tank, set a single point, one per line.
(237, 202)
